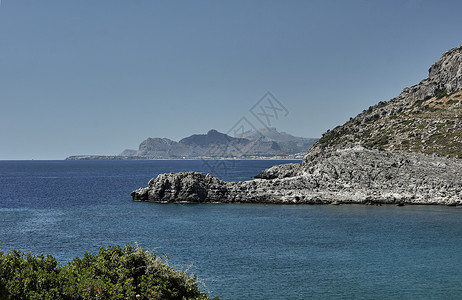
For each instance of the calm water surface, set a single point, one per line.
(242, 251)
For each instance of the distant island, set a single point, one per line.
(265, 143)
(403, 151)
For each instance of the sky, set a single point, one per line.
(98, 77)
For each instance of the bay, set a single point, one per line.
(241, 251)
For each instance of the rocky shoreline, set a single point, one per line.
(353, 175)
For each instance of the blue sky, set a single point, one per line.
(97, 77)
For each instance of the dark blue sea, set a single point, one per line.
(241, 251)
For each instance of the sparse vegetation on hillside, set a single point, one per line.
(432, 125)
(424, 118)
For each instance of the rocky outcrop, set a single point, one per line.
(354, 175)
(280, 171)
(183, 187)
(396, 152)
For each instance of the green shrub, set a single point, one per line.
(377, 142)
(441, 94)
(452, 101)
(419, 103)
(114, 273)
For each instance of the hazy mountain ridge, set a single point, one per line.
(220, 145)
(215, 144)
(271, 134)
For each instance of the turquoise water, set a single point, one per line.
(241, 251)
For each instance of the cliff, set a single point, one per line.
(402, 151)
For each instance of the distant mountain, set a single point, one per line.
(264, 143)
(211, 138)
(161, 148)
(128, 152)
(287, 142)
(217, 145)
(271, 134)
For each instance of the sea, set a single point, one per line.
(240, 251)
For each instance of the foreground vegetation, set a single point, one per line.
(114, 273)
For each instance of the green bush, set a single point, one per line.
(441, 94)
(377, 142)
(114, 273)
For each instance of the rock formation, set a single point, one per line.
(353, 175)
(402, 151)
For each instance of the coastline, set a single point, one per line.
(117, 157)
(353, 175)
(335, 203)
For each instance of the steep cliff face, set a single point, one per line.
(425, 118)
(446, 73)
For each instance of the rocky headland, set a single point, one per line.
(404, 151)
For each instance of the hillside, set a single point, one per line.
(425, 118)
